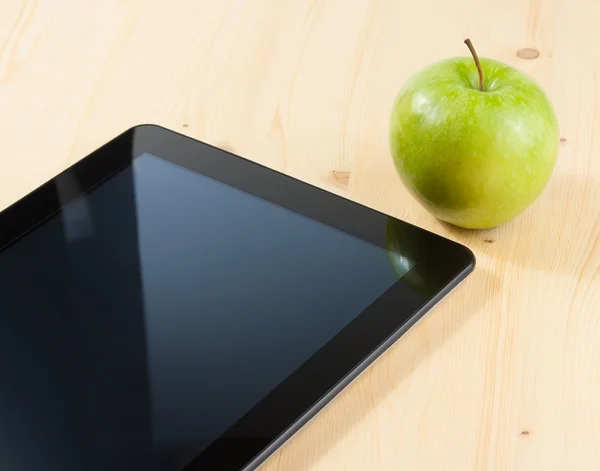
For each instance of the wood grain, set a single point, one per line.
(505, 373)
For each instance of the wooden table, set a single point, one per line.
(505, 373)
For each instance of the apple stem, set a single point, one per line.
(477, 63)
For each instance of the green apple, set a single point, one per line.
(474, 141)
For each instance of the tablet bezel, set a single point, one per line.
(439, 265)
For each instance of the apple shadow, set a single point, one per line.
(542, 236)
(404, 357)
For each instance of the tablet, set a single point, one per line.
(166, 305)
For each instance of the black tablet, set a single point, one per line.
(166, 305)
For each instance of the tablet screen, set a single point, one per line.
(149, 315)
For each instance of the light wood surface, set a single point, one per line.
(505, 373)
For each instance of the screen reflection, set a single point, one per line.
(139, 323)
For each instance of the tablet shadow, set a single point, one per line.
(542, 238)
(311, 443)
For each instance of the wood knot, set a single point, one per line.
(340, 177)
(226, 147)
(525, 432)
(489, 241)
(528, 53)
(563, 139)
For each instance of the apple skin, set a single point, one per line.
(475, 159)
